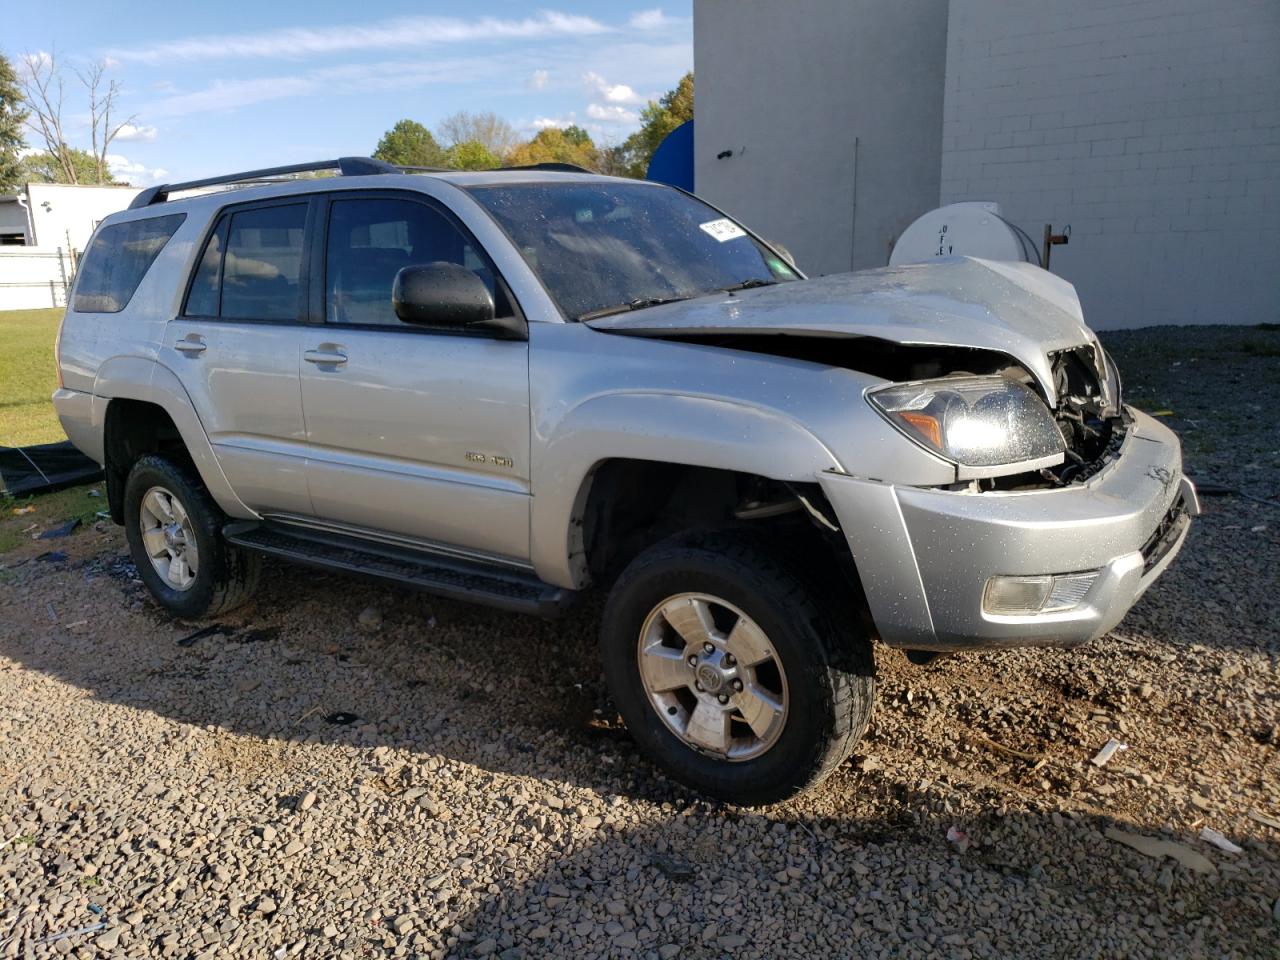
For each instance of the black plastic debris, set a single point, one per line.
(673, 868)
(341, 718)
(44, 467)
(216, 629)
(53, 556)
(62, 530)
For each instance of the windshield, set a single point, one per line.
(601, 247)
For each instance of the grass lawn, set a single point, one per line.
(28, 377)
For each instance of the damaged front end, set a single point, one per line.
(1089, 414)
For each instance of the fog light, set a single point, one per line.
(1026, 596)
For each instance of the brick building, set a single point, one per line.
(1151, 127)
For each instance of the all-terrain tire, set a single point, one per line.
(226, 575)
(820, 640)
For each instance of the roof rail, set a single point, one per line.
(562, 167)
(347, 166)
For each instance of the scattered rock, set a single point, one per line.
(369, 620)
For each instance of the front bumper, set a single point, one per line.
(925, 555)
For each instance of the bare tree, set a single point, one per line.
(43, 91)
(103, 92)
(489, 129)
(43, 87)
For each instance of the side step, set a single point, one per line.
(489, 584)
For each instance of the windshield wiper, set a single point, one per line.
(748, 284)
(638, 304)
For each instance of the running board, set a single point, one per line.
(490, 584)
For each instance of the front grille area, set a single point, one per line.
(1164, 536)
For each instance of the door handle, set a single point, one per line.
(192, 344)
(327, 354)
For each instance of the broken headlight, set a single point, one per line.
(976, 422)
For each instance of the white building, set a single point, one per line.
(1151, 127)
(43, 231)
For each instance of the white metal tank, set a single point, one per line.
(971, 229)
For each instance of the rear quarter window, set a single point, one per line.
(118, 259)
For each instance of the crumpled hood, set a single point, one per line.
(1014, 308)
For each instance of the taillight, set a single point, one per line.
(57, 351)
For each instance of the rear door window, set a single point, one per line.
(117, 260)
(263, 262)
(202, 301)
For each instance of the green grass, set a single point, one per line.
(22, 519)
(28, 377)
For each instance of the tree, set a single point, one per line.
(44, 92)
(410, 144)
(471, 155)
(44, 167)
(576, 135)
(13, 118)
(488, 129)
(571, 145)
(657, 120)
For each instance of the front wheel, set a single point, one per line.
(732, 671)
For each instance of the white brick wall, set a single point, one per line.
(1152, 127)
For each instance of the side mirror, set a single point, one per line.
(447, 295)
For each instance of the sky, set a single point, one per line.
(239, 85)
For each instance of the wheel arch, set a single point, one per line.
(141, 407)
(655, 432)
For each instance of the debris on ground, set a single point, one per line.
(1109, 749)
(1210, 835)
(673, 867)
(1157, 848)
(216, 629)
(62, 530)
(958, 838)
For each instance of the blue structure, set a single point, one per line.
(672, 162)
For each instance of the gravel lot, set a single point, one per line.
(347, 770)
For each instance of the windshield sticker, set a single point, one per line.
(722, 230)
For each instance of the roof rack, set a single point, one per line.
(563, 167)
(347, 166)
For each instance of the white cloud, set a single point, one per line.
(612, 114)
(648, 20)
(226, 95)
(538, 79)
(552, 123)
(136, 131)
(612, 92)
(296, 42)
(137, 174)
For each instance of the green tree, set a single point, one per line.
(410, 144)
(12, 117)
(44, 167)
(657, 120)
(576, 135)
(556, 146)
(471, 155)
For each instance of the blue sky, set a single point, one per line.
(237, 85)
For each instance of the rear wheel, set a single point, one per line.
(732, 669)
(174, 530)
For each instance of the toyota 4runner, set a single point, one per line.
(513, 386)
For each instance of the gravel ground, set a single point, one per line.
(347, 770)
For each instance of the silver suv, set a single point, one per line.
(513, 386)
